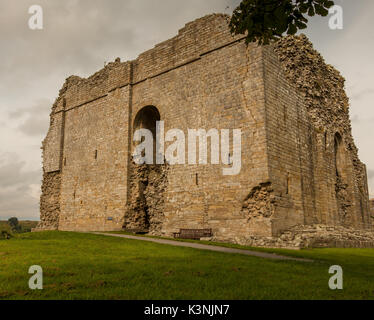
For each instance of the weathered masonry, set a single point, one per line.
(300, 167)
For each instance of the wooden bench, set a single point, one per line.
(194, 234)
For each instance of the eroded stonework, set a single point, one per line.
(50, 201)
(328, 107)
(260, 202)
(301, 182)
(314, 236)
(146, 201)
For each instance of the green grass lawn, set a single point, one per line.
(86, 266)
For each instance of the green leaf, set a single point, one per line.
(292, 29)
(321, 10)
(266, 20)
(301, 25)
(311, 11)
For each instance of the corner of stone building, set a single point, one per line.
(306, 97)
(258, 206)
(284, 193)
(52, 158)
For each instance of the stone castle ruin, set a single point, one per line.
(301, 181)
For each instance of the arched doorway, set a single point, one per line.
(147, 182)
(147, 118)
(339, 155)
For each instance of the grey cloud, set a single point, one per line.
(362, 94)
(79, 36)
(36, 119)
(12, 173)
(18, 203)
(355, 118)
(370, 174)
(34, 126)
(18, 188)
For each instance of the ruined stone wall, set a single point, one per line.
(50, 201)
(327, 197)
(287, 130)
(52, 157)
(220, 89)
(202, 78)
(95, 164)
(205, 78)
(314, 236)
(315, 179)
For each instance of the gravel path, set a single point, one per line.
(205, 247)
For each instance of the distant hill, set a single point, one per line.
(26, 225)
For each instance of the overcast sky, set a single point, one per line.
(79, 36)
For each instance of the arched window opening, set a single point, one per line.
(147, 181)
(339, 155)
(147, 118)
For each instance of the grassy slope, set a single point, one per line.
(84, 266)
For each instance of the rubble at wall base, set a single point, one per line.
(311, 236)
